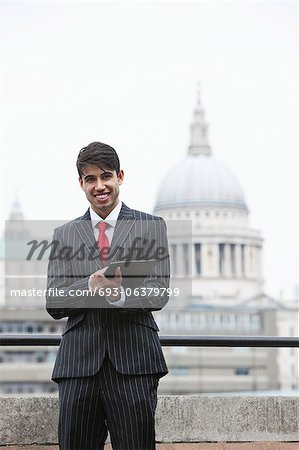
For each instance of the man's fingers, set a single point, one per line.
(101, 271)
(117, 273)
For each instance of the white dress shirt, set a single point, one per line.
(111, 221)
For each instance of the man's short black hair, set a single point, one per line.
(97, 154)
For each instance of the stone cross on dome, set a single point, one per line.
(199, 144)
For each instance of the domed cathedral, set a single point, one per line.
(225, 251)
(220, 258)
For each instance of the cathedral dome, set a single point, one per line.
(199, 179)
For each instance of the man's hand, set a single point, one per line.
(110, 287)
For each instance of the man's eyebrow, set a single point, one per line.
(109, 172)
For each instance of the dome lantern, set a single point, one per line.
(199, 144)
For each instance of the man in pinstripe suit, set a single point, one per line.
(110, 359)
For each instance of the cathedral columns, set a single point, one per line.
(180, 260)
(238, 256)
(173, 258)
(259, 268)
(227, 261)
(248, 257)
(193, 260)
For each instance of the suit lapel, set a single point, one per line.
(123, 227)
(84, 229)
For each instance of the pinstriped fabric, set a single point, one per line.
(124, 405)
(128, 335)
(81, 414)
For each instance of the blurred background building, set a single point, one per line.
(224, 263)
(220, 261)
(23, 369)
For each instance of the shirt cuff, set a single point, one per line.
(119, 302)
(122, 299)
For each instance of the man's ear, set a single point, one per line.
(120, 177)
(81, 182)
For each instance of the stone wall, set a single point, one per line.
(192, 418)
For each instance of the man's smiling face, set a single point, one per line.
(101, 187)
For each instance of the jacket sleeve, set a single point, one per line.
(67, 294)
(60, 284)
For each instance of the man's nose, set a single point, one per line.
(100, 185)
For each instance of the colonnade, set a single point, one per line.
(223, 259)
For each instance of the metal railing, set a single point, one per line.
(166, 341)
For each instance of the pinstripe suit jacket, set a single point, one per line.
(95, 327)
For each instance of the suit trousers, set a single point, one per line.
(123, 404)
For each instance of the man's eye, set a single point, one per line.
(88, 180)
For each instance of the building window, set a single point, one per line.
(40, 357)
(179, 371)
(28, 388)
(242, 371)
(198, 258)
(179, 350)
(52, 389)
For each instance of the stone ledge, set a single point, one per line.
(187, 446)
(182, 418)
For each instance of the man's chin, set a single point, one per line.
(102, 205)
(103, 208)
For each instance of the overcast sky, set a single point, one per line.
(126, 74)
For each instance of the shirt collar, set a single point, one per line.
(111, 218)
